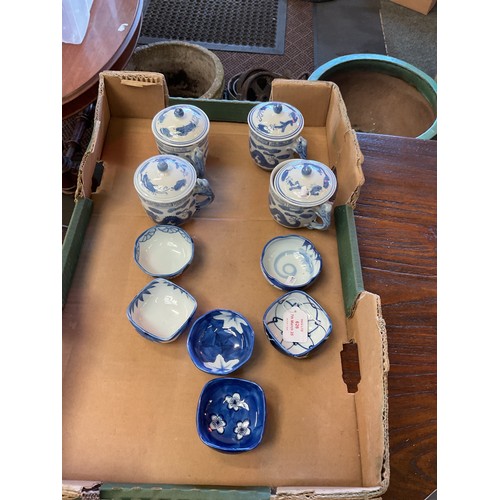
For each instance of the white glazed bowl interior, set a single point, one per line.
(161, 310)
(164, 251)
(290, 262)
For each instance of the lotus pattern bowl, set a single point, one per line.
(161, 310)
(220, 341)
(290, 262)
(164, 251)
(318, 323)
(231, 414)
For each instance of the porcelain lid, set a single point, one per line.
(164, 178)
(275, 120)
(305, 182)
(180, 125)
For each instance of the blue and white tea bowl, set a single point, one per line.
(290, 262)
(164, 251)
(274, 134)
(161, 310)
(319, 324)
(231, 414)
(220, 341)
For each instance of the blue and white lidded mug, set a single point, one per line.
(169, 189)
(275, 129)
(301, 194)
(182, 130)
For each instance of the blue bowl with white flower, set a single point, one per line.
(220, 341)
(231, 414)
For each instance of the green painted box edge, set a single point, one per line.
(73, 242)
(141, 491)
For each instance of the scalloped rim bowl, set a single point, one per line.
(231, 414)
(290, 262)
(319, 324)
(161, 310)
(220, 341)
(164, 251)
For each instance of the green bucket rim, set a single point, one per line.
(426, 85)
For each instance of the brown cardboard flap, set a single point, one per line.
(120, 94)
(367, 328)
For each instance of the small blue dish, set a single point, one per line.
(164, 251)
(317, 328)
(231, 414)
(161, 310)
(220, 341)
(290, 262)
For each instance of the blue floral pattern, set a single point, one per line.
(220, 341)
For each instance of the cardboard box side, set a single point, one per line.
(120, 94)
(135, 94)
(348, 158)
(422, 6)
(92, 154)
(367, 328)
(322, 105)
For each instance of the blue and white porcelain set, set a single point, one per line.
(231, 412)
(182, 130)
(275, 129)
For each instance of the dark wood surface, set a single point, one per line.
(111, 37)
(396, 224)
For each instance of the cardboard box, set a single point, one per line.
(422, 6)
(129, 404)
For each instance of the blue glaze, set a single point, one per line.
(231, 414)
(220, 341)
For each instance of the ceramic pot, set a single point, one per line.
(182, 130)
(169, 189)
(301, 194)
(274, 134)
(384, 95)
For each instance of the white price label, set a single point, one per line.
(295, 325)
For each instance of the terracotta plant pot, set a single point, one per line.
(384, 95)
(190, 70)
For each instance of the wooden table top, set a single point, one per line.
(396, 224)
(111, 37)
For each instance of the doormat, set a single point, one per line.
(230, 25)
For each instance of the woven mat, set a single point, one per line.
(232, 25)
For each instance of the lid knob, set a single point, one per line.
(277, 108)
(162, 166)
(306, 170)
(179, 112)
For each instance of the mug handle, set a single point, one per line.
(300, 147)
(324, 212)
(203, 189)
(197, 160)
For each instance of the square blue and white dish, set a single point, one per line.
(317, 324)
(290, 262)
(220, 341)
(164, 251)
(231, 414)
(161, 310)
